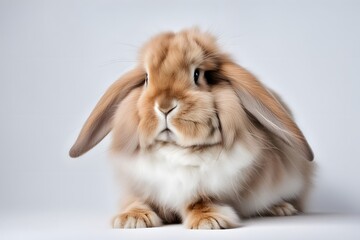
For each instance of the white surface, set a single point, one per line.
(62, 226)
(58, 57)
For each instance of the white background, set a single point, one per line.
(58, 57)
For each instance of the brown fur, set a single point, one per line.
(226, 106)
(166, 83)
(98, 125)
(203, 212)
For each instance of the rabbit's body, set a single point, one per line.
(171, 177)
(182, 175)
(199, 139)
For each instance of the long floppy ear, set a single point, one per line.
(260, 103)
(99, 123)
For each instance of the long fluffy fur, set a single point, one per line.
(232, 148)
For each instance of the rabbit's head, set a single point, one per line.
(176, 104)
(186, 91)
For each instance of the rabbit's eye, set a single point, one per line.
(196, 75)
(146, 79)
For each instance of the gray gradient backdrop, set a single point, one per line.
(58, 57)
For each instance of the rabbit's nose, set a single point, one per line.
(166, 107)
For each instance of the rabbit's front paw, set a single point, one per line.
(137, 218)
(211, 216)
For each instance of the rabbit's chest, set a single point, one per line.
(174, 176)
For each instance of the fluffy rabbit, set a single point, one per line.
(198, 139)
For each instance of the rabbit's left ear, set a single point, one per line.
(260, 103)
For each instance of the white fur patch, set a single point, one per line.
(230, 216)
(173, 176)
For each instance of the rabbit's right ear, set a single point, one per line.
(99, 123)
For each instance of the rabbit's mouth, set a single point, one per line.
(166, 135)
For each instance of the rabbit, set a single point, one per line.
(197, 139)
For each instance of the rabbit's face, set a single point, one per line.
(176, 104)
(194, 95)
